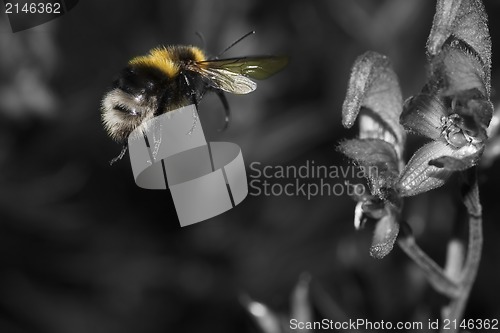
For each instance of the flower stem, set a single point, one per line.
(435, 274)
(455, 310)
(455, 254)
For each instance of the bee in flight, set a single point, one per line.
(175, 76)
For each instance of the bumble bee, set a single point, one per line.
(174, 76)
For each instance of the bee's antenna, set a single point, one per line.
(202, 39)
(235, 42)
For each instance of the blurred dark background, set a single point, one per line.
(83, 249)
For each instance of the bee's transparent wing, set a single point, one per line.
(234, 75)
(254, 67)
(227, 81)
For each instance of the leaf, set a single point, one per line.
(465, 20)
(384, 236)
(422, 115)
(374, 85)
(418, 176)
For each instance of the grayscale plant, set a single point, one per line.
(453, 110)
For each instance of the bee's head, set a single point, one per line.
(133, 100)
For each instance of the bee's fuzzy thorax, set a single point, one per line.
(167, 58)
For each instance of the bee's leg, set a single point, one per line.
(227, 110)
(119, 157)
(192, 93)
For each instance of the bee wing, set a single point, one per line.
(227, 81)
(256, 67)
